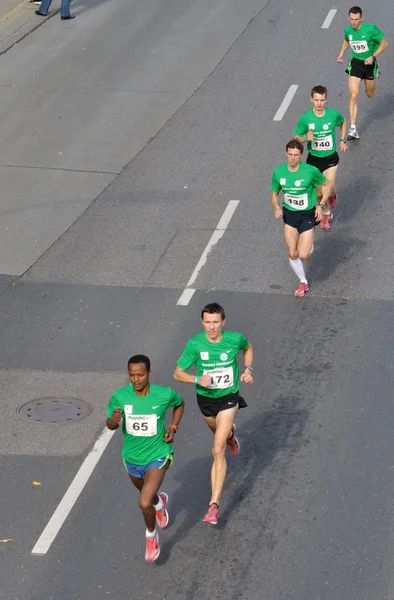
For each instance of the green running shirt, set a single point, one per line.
(323, 143)
(217, 360)
(364, 41)
(298, 187)
(143, 423)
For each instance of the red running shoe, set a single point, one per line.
(332, 201)
(162, 515)
(233, 444)
(152, 548)
(301, 290)
(212, 514)
(325, 222)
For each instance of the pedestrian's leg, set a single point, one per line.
(44, 6)
(224, 423)
(65, 8)
(354, 90)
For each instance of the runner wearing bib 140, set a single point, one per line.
(367, 43)
(146, 453)
(304, 198)
(214, 354)
(317, 127)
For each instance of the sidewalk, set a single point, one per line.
(17, 20)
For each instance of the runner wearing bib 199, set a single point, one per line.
(146, 452)
(317, 127)
(302, 187)
(367, 43)
(214, 354)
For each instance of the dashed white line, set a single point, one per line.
(329, 18)
(221, 227)
(71, 496)
(286, 102)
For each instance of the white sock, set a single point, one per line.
(149, 534)
(159, 505)
(312, 249)
(352, 127)
(298, 268)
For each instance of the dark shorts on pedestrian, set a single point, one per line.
(323, 162)
(357, 68)
(302, 220)
(210, 407)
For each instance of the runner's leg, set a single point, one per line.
(149, 486)
(354, 90)
(305, 244)
(370, 87)
(224, 423)
(291, 239)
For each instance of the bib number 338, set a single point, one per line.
(220, 378)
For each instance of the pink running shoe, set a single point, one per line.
(212, 514)
(233, 444)
(302, 289)
(162, 515)
(152, 550)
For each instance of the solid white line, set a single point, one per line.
(215, 237)
(329, 18)
(71, 496)
(286, 102)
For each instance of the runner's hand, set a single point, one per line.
(342, 146)
(204, 380)
(117, 416)
(309, 135)
(246, 377)
(278, 212)
(368, 61)
(318, 214)
(340, 59)
(169, 436)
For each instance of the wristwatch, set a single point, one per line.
(344, 141)
(321, 205)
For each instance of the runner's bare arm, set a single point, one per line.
(114, 422)
(275, 205)
(342, 143)
(247, 376)
(382, 48)
(344, 47)
(176, 419)
(183, 377)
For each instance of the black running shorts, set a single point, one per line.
(210, 407)
(357, 68)
(302, 220)
(323, 162)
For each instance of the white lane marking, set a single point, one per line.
(71, 496)
(286, 102)
(215, 237)
(329, 18)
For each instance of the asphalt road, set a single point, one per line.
(307, 510)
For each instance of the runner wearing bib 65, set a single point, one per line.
(214, 354)
(304, 198)
(367, 43)
(317, 128)
(146, 451)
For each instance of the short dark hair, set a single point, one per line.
(319, 89)
(293, 145)
(213, 309)
(355, 10)
(139, 358)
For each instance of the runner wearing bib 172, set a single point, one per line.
(214, 352)
(367, 43)
(146, 451)
(317, 128)
(304, 198)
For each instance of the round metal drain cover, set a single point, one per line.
(59, 409)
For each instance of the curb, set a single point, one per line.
(24, 30)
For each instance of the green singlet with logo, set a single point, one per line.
(364, 41)
(298, 187)
(143, 423)
(219, 361)
(323, 142)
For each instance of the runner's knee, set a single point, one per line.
(304, 255)
(370, 93)
(293, 254)
(218, 451)
(145, 502)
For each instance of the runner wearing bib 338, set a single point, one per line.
(304, 198)
(214, 354)
(317, 127)
(367, 43)
(146, 451)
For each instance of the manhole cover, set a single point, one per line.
(59, 409)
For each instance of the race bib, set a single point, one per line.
(220, 378)
(359, 47)
(298, 202)
(323, 143)
(141, 425)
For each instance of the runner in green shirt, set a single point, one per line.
(141, 408)
(304, 198)
(367, 43)
(317, 128)
(214, 352)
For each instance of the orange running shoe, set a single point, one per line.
(212, 514)
(152, 548)
(302, 289)
(233, 444)
(162, 515)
